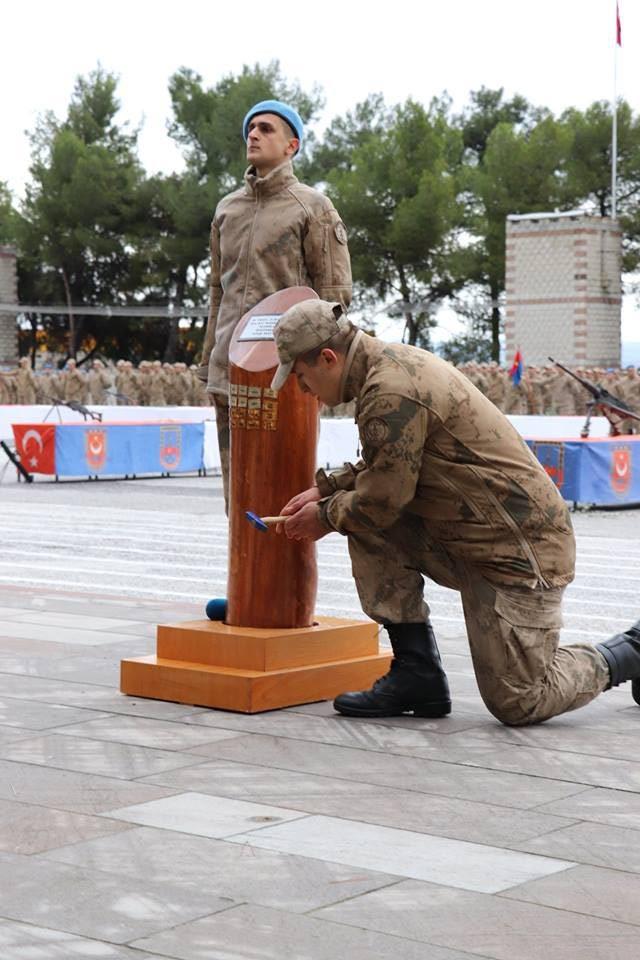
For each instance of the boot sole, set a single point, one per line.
(432, 710)
(635, 691)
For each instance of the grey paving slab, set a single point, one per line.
(102, 906)
(38, 649)
(566, 788)
(27, 828)
(86, 621)
(100, 757)
(148, 733)
(82, 636)
(619, 808)
(13, 734)
(64, 790)
(272, 879)
(452, 863)
(485, 926)
(568, 738)
(73, 668)
(579, 768)
(596, 892)
(601, 845)
(204, 815)
(257, 933)
(22, 941)
(91, 696)
(460, 719)
(413, 773)
(332, 729)
(441, 815)
(262, 784)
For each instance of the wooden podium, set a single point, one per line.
(271, 651)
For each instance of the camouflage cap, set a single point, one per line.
(302, 328)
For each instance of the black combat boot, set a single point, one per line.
(622, 654)
(416, 681)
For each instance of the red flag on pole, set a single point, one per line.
(618, 26)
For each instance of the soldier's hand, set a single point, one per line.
(312, 495)
(305, 524)
(202, 373)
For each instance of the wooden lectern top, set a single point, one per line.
(252, 345)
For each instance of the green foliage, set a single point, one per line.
(9, 217)
(81, 211)
(515, 163)
(424, 194)
(589, 167)
(208, 122)
(393, 184)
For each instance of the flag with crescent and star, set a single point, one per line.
(36, 446)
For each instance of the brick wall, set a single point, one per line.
(563, 289)
(8, 294)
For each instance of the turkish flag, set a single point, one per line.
(618, 27)
(36, 446)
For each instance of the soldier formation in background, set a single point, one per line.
(547, 390)
(542, 390)
(150, 384)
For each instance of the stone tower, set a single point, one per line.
(8, 294)
(563, 286)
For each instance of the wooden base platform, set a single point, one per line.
(247, 669)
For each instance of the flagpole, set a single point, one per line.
(614, 126)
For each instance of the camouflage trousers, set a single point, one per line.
(523, 675)
(221, 404)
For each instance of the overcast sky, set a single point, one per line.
(557, 53)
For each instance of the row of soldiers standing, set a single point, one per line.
(150, 384)
(542, 390)
(547, 390)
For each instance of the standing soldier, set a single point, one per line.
(198, 396)
(74, 383)
(272, 233)
(184, 379)
(6, 388)
(496, 385)
(144, 383)
(26, 384)
(99, 382)
(173, 386)
(157, 386)
(122, 382)
(628, 389)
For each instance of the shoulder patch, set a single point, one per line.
(340, 232)
(375, 431)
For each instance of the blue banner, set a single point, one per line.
(104, 449)
(604, 471)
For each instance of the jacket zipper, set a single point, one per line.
(249, 243)
(515, 529)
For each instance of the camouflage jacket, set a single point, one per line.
(434, 446)
(75, 386)
(273, 233)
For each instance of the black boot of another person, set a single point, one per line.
(415, 683)
(622, 654)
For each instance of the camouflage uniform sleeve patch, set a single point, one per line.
(340, 232)
(375, 431)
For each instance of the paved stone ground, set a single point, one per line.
(135, 829)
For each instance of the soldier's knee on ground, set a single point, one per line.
(511, 715)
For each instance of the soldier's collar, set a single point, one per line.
(352, 375)
(272, 183)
